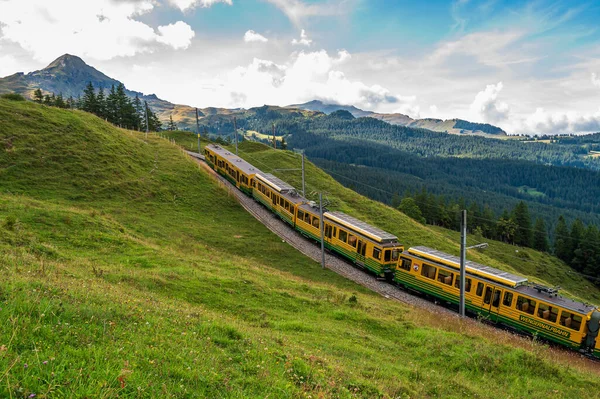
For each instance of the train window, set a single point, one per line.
(387, 256)
(479, 289)
(300, 215)
(343, 236)
(377, 253)
(395, 255)
(488, 295)
(547, 312)
(315, 223)
(428, 271)
(327, 230)
(467, 283)
(508, 297)
(496, 300)
(352, 240)
(307, 218)
(526, 305)
(405, 264)
(445, 277)
(570, 320)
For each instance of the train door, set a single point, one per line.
(361, 250)
(491, 301)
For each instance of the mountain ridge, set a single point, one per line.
(451, 126)
(69, 75)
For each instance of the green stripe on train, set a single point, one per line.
(435, 291)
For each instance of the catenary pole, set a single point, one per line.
(236, 134)
(322, 226)
(463, 259)
(146, 108)
(198, 130)
(303, 186)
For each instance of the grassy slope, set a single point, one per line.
(126, 270)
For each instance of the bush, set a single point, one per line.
(13, 97)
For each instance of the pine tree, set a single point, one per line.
(521, 217)
(172, 126)
(283, 143)
(540, 236)
(60, 101)
(561, 240)
(112, 106)
(101, 104)
(139, 113)
(585, 257)
(47, 100)
(38, 97)
(575, 238)
(409, 207)
(506, 228)
(71, 103)
(89, 102)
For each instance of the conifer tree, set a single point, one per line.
(575, 238)
(38, 97)
(540, 236)
(561, 240)
(172, 125)
(101, 104)
(521, 217)
(409, 207)
(89, 102)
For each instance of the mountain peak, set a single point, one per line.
(67, 61)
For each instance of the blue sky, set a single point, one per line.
(531, 67)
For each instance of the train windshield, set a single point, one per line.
(395, 254)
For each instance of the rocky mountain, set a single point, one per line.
(452, 126)
(69, 75)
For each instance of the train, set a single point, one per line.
(505, 299)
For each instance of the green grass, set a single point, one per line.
(128, 271)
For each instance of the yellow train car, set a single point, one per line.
(277, 195)
(502, 298)
(237, 171)
(364, 244)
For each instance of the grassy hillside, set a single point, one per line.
(127, 271)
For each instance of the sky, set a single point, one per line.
(526, 66)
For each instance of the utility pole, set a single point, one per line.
(198, 130)
(463, 259)
(274, 141)
(303, 186)
(146, 108)
(235, 132)
(322, 225)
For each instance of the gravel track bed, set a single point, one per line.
(312, 250)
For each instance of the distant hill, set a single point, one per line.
(69, 75)
(452, 126)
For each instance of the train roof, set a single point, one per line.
(235, 160)
(556, 300)
(361, 227)
(474, 268)
(276, 183)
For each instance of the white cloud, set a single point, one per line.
(8, 65)
(487, 106)
(184, 5)
(305, 76)
(541, 122)
(102, 29)
(303, 41)
(595, 80)
(178, 35)
(298, 10)
(251, 36)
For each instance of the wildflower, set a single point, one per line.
(32, 395)
(45, 362)
(25, 365)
